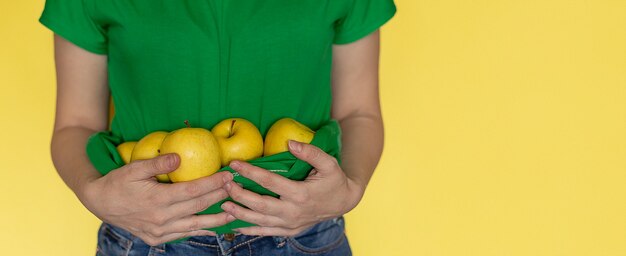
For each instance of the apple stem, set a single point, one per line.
(187, 123)
(232, 124)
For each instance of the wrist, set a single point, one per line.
(84, 190)
(356, 190)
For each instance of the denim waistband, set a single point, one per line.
(221, 242)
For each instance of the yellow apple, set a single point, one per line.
(238, 139)
(148, 148)
(198, 151)
(283, 130)
(125, 150)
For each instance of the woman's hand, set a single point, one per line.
(131, 198)
(326, 193)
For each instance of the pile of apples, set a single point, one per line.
(203, 152)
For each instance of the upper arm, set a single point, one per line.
(355, 78)
(82, 87)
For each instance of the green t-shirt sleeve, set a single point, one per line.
(72, 20)
(363, 18)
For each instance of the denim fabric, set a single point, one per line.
(325, 238)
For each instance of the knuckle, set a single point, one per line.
(266, 180)
(237, 213)
(222, 194)
(192, 189)
(157, 232)
(225, 220)
(150, 162)
(260, 206)
(301, 197)
(159, 219)
(329, 163)
(194, 225)
(294, 216)
(234, 194)
(210, 182)
(200, 205)
(155, 164)
(216, 197)
(261, 221)
(315, 153)
(333, 162)
(297, 198)
(139, 168)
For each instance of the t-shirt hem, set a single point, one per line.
(69, 36)
(353, 36)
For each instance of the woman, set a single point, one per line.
(166, 61)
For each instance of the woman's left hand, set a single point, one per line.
(326, 193)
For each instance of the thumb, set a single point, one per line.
(147, 169)
(313, 155)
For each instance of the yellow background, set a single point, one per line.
(505, 134)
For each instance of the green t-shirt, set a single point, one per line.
(205, 61)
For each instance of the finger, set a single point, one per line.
(194, 223)
(184, 191)
(250, 215)
(268, 231)
(259, 203)
(313, 155)
(274, 182)
(147, 169)
(197, 204)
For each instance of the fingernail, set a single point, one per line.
(295, 146)
(235, 165)
(224, 206)
(171, 160)
(228, 185)
(230, 217)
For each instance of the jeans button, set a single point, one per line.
(229, 237)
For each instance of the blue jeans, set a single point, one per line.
(324, 238)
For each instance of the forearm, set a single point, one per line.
(362, 146)
(70, 158)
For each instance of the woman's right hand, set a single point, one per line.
(128, 197)
(131, 198)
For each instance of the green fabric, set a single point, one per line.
(205, 61)
(102, 152)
